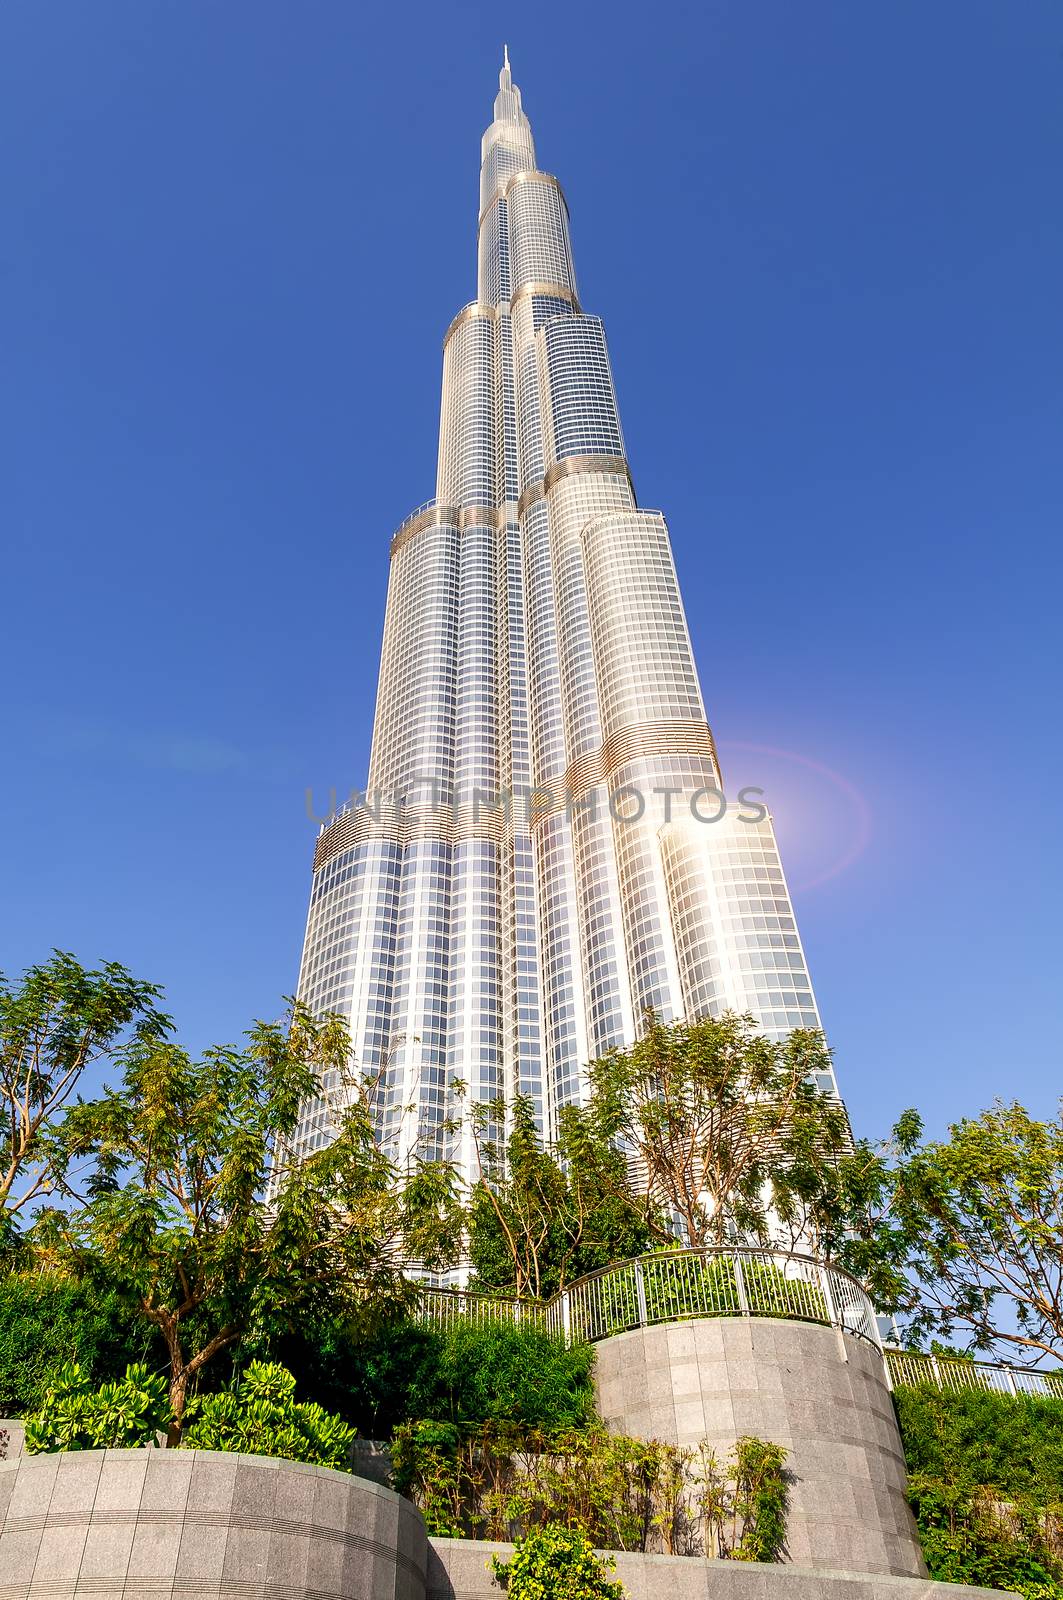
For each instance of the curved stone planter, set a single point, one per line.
(820, 1394)
(124, 1523)
(460, 1570)
(128, 1524)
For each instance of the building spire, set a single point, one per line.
(507, 101)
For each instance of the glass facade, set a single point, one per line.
(543, 850)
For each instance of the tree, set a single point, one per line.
(840, 1206)
(983, 1211)
(176, 1219)
(59, 1020)
(715, 1117)
(540, 1217)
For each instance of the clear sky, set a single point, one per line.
(826, 240)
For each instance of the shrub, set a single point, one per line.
(125, 1414)
(760, 1500)
(47, 1322)
(507, 1374)
(1014, 1446)
(258, 1415)
(970, 1538)
(463, 1374)
(500, 1482)
(556, 1563)
(986, 1485)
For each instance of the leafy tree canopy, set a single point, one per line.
(718, 1119)
(982, 1212)
(59, 1019)
(540, 1217)
(175, 1216)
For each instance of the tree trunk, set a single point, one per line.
(178, 1400)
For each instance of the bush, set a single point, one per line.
(556, 1563)
(986, 1485)
(75, 1415)
(1014, 1446)
(47, 1322)
(464, 1374)
(506, 1374)
(623, 1493)
(759, 1501)
(971, 1538)
(258, 1415)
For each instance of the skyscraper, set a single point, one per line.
(541, 852)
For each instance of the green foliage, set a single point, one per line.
(719, 1118)
(986, 1486)
(973, 1539)
(675, 1282)
(380, 1378)
(365, 1375)
(556, 1563)
(983, 1211)
(761, 1500)
(125, 1414)
(58, 1020)
(177, 1221)
(541, 1217)
(259, 1415)
(840, 1206)
(506, 1374)
(499, 1482)
(1013, 1446)
(47, 1320)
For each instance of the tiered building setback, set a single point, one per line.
(542, 852)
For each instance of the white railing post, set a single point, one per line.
(640, 1296)
(740, 1284)
(843, 1302)
(828, 1297)
(1012, 1385)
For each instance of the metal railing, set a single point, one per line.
(426, 505)
(683, 1285)
(676, 1286)
(910, 1367)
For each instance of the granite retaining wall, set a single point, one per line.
(129, 1524)
(820, 1393)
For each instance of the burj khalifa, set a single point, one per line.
(543, 853)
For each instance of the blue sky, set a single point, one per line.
(826, 242)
